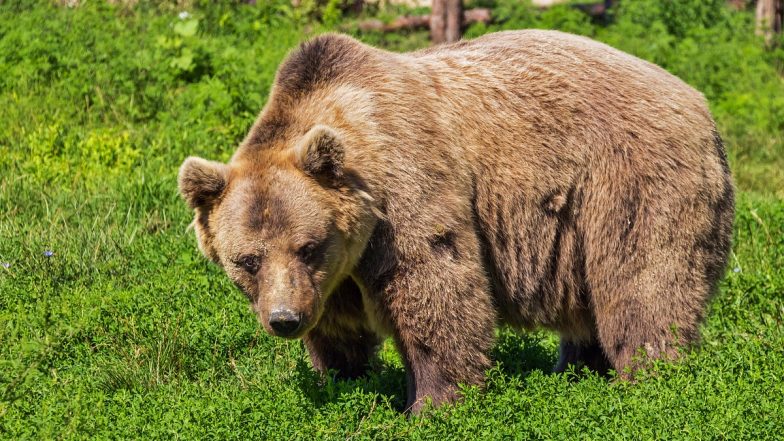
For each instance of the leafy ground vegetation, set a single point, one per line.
(113, 326)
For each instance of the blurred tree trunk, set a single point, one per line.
(446, 21)
(454, 20)
(438, 21)
(770, 18)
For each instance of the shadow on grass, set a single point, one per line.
(516, 354)
(520, 353)
(382, 379)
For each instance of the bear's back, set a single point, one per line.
(553, 83)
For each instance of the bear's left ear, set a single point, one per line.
(320, 153)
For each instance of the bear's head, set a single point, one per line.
(287, 225)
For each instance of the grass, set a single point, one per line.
(125, 331)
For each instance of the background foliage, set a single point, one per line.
(124, 331)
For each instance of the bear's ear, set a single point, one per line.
(320, 153)
(201, 181)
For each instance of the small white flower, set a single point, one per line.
(736, 269)
(184, 15)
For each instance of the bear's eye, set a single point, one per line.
(249, 263)
(307, 252)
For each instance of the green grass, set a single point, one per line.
(127, 332)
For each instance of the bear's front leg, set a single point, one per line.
(342, 341)
(347, 354)
(444, 319)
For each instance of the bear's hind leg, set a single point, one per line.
(634, 328)
(654, 252)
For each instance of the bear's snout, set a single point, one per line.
(285, 322)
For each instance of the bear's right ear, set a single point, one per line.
(320, 153)
(201, 181)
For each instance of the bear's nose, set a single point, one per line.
(284, 321)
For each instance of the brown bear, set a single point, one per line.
(529, 178)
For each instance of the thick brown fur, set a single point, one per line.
(532, 178)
